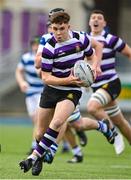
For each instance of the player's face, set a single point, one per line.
(97, 23)
(60, 31)
(34, 47)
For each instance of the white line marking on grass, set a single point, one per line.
(120, 166)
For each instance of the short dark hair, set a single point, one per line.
(60, 17)
(56, 10)
(98, 11)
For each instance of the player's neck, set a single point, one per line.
(66, 38)
(96, 33)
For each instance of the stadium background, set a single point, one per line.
(22, 19)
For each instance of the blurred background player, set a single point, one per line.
(107, 87)
(30, 83)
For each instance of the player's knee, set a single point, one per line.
(77, 125)
(80, 128)
(91, 108)
(56, 124)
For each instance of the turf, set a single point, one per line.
(100, 161)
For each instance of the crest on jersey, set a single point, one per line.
(78, 49)
(105, 86)
(70, 96)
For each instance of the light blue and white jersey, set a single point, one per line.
(27, 64)
(59, 58)
(43, 41)
(111, 45)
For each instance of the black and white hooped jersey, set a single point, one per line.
(59, 58)
(112, 44)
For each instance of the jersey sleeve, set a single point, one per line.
(43, 41)
(21, 63)
(41, 45)
(47, 58)
(117, 43)
(87, 45)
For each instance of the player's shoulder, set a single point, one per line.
(45, 38)
(47, 35)
(82, 36)
(110, 35)
(78, 34)
(51, 42)
(112, 39)
(26, 56)
(83, 33)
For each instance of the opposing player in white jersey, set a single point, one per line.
(107, 87)
(29, 82)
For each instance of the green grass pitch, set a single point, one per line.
(100, 160)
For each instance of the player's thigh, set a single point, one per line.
(62, 111)
(99, 99)
(106, 94)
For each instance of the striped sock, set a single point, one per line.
(48, 139)
(77, 151)
(102, 127)
(34, 144)
(53, 149)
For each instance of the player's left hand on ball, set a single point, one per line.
(81, 83)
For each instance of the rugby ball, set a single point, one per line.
(83, 71)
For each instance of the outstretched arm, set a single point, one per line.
(127, 51)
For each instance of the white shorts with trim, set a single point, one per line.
(75, 116)
(32, 103)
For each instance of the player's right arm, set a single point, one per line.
(20, 79)
(91, 55)
(39, 53)
(19, 74)
(127, 51)
(98, 48)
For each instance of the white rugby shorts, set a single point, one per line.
(32, 103)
